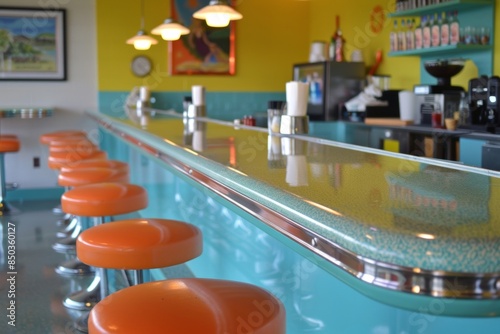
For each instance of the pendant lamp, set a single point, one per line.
(170, 30)
(142, 41)
(217, 14)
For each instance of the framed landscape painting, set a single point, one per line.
(32, 44)
(205, 50)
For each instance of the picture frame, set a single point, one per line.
(205, 50)
(32, 44)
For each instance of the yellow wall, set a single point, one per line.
(266, 46)
(272, 36)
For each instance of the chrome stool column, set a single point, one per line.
(100, 200)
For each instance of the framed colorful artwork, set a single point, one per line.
(205, 50)
(32, 44)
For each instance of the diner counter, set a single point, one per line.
(410, 225)
(26, 112)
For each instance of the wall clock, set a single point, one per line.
(141, 66)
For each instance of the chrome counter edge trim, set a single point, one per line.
(393, 277)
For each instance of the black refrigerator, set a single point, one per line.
(331, 84)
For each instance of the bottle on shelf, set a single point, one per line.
(331, 47)
(402, 5)
(419, 35)
(445, 30)
(454, 29)
(435, 31)
(410, 34)
(394, 37)
(339, 42)
(399, 5)
(402, 36)
(426, 32)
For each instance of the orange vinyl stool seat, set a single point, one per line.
(77, 178)
(80, 145)
(188, 306)
(136, 244)
(8, 136)
(8, 144)
(57, 160)
(82, 176)
(46, 138)
(104, 199)
(100, 200)
(115, 164)
(72, 140)
(49, 137)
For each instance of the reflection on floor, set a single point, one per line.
(37, 290)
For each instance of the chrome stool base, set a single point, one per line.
(65, 220)
(69, 229)
(57, 210)
(74, 267)
(68, 245)
(84, 300)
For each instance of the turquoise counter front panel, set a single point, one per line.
(239, 247)
(471, 151)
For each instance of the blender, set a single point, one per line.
(441, 98)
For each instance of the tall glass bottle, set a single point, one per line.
(435, 32)
(418, 34)
(339, 42)
(402, 36)
(445, 30)
(394, 37)
(454, 29)
(410, 34)
(426, 33)
(331, 46)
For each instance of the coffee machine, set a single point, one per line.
(484, 104)
(442, 97)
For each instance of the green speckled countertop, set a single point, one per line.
(401, 210)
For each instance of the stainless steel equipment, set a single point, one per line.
(442, 98)
(484, 104)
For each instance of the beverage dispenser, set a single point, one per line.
(331, 85)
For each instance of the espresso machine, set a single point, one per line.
(484, 104)
(442, 97)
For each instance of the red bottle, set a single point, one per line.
(336, 51)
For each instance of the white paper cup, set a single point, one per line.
(407, 106)
(297, 95)
(198, 95)
(317, 52)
